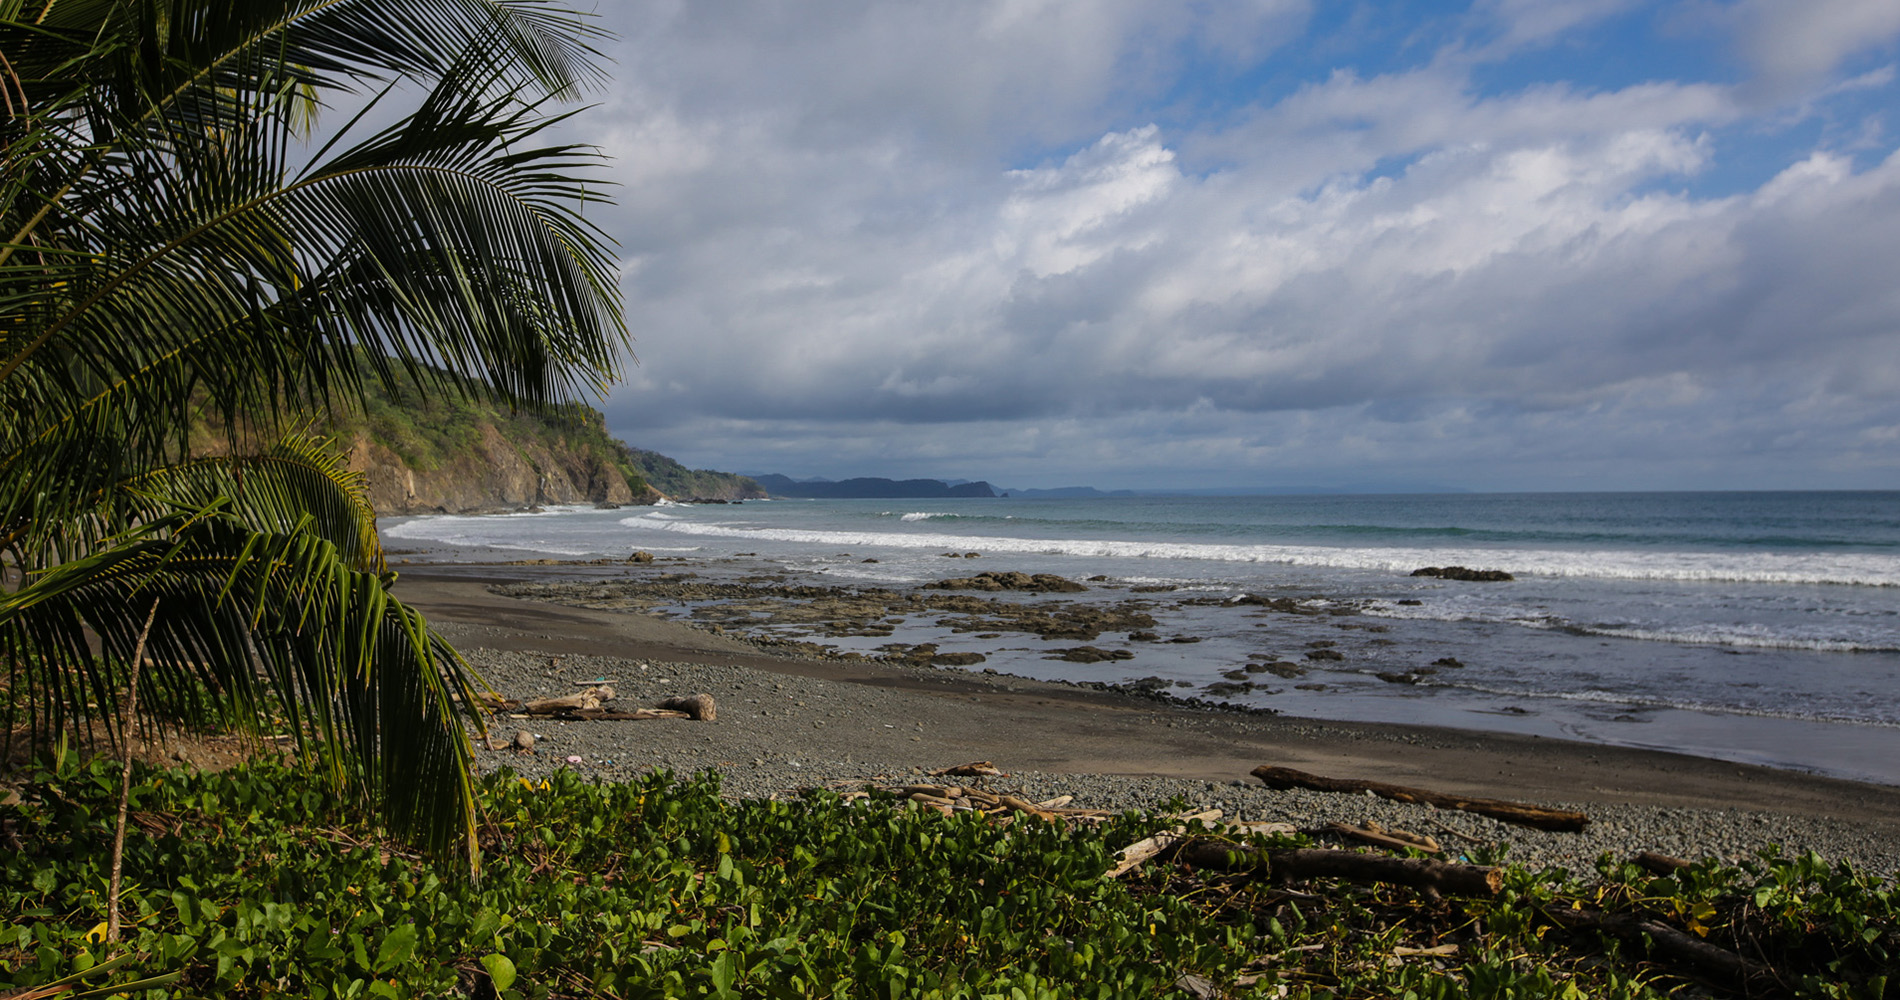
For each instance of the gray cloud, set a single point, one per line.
(836, 262)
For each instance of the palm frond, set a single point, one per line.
(170, 251)
(377, 701)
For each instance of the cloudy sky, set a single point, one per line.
(1510, 244)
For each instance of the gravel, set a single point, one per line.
(779, 733)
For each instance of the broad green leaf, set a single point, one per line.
(501, 971)
(396, 948)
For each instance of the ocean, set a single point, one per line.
(1758, 627)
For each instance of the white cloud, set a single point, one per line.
(838, 264)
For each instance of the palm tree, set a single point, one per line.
(180, 250)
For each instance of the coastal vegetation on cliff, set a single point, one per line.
(180, 236)
(424, 451)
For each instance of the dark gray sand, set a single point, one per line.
(787, 723)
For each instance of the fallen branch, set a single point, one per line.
(1428, 875)
(699, 707)
(1524, 814)
(1676, 945)
(1141, 852)
(1660, 864)
(588, 699)
(974, 769)
(616, 715)
(1460, 834)
(1372, 833)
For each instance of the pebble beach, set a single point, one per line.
(787, 724)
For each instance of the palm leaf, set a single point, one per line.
(377, 701)
(170, 252)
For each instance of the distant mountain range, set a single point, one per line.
(871, 488)
(868, 488)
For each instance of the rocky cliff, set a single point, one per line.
(450, 450)
(492, 473)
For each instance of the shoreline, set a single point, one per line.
(1057, 731)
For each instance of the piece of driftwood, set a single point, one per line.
(1141, 852)
(1660, 864)
(974, 769)
(1521, 813)
(588, 699)
(699, 707)
(1398, 840)
(1460, 834)
(1678, 946)
(1204, 816)
(617, 715)
(1428, 875)
(495, 702)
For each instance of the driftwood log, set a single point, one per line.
(1373, 833)
(1678, 946)
(588, 699)
(1427, 875)
(1521, 813)
(1660, 864)
(616, 715)
(699, 707)
(974, 769)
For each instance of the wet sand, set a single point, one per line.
(1034, 726)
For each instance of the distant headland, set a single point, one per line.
(869, 488)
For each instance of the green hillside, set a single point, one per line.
(681, 483)
(458, 450)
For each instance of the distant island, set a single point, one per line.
(871, 488)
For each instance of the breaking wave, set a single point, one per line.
(1834, 568)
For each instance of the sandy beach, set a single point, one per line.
(788, 721)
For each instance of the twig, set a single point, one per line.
(125, 778)
(1460, 834)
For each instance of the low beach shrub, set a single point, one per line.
(252, 882)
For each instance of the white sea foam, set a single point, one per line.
(1741, 635)
(927, 515)
(1644, 701)
(1860, 569)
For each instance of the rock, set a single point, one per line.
(1447, 661)
(1285, 605)
(1143, 637)
(641, 556)
(1324, 654)
(1464, 573)
(1397, 677)
(957, 659)
(523, 741)
(1410, 602)
(1090, 654)
(988, 581)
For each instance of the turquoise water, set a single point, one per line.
(1753, 626)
